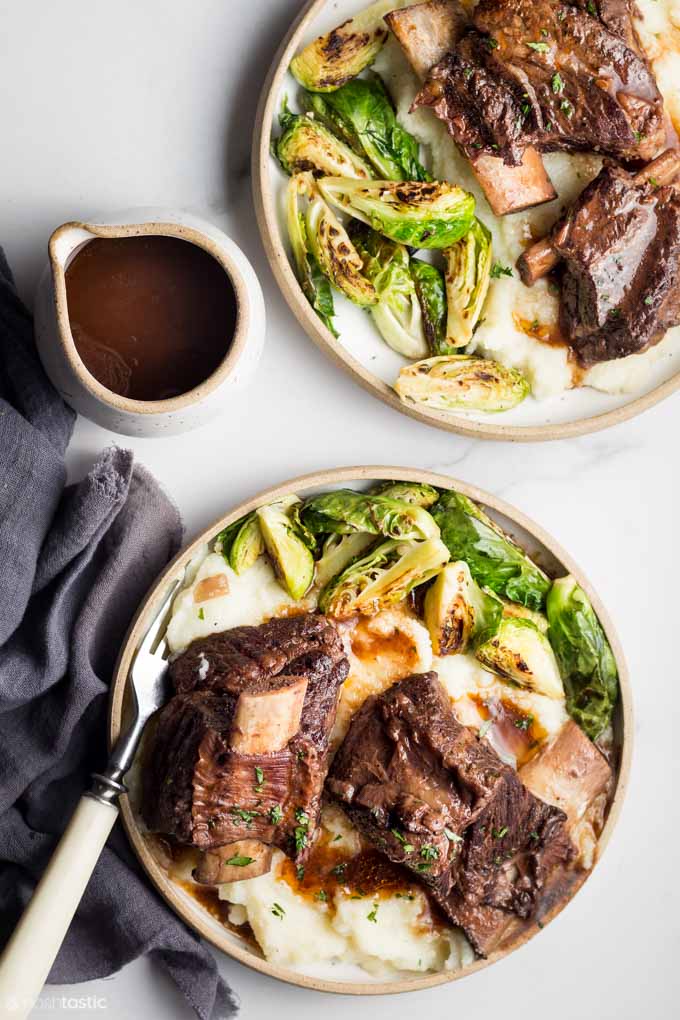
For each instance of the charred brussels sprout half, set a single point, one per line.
(361, 112)
(418, 493)
(337, 552)
(520, 653)
(495, 561)
(457, 613)
(335, 254)
(345, 511)
(397, 314)
(314, 284)
(384, 576)
(292, 560)
(333, 59)
(468, 272)
(585, 659)
(305, 144)
(419, 214)
(461, 382)
(431, 292)
(247, 546)
(513, 610)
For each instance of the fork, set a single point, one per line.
(36, 940)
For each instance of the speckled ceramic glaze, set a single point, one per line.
(83, 391)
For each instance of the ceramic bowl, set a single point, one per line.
(341, 976)
(83, 391)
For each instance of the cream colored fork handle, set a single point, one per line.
(33, 947)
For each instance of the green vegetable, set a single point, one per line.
(338, 551)
(457, 613)
(431, 292)
(333, 251)
(315, 286)
(373, 916)
(422, 215)
(585, 659)
(512, 609)
(292, 560)
(397, 314)
(306, 144)
(240, 862)
(418, 493)
(520, 653)
(461, 382)
(362, 114)
(342, 54)
(383, 577)
(247, 546)
(278, 911)
(495, 561)
(345, 511)
(468, 271)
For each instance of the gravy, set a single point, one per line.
(151, 316)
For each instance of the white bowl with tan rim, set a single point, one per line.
(336, 977)
(359, 349)
(83, 391)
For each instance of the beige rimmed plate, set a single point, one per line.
(329, 977)
(359, 349)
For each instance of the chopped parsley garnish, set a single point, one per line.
(557, 83)
(201, 614)
(245, 816)
(498, 270)
(638, 136)
(301, 817)
(498, 860)
(373, 916)
(240, 862)
(535, 325)
(653, 181)
(499, 833)
(539, 47)
(484, 728)
(404, 896)
(259, 780)
(524, 723)
(453, 837)
(492, 43)
(336, 838)
(566, 107)
(649, 300)
(339, 870)
(321, 895)
(300, 837)
(300, 872)
(408, 847)
(591, 8)
(428, 852)
(467, 73)
(278, 911)
(275, 814)
(533, 835)
(423, 867)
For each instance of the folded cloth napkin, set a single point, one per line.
(74, 564)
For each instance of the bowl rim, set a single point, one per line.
(267, 219)
(156, 228)
(195, 916)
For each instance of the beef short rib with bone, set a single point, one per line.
(528, 76)
(435, 797)
(239, 755)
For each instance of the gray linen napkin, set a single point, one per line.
(74, 564)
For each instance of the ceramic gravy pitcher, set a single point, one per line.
(83, 391)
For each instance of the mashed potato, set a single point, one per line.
(216, 598)
(499, 336)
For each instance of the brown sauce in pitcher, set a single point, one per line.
(151, 316)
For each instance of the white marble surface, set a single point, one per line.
(108, 105)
